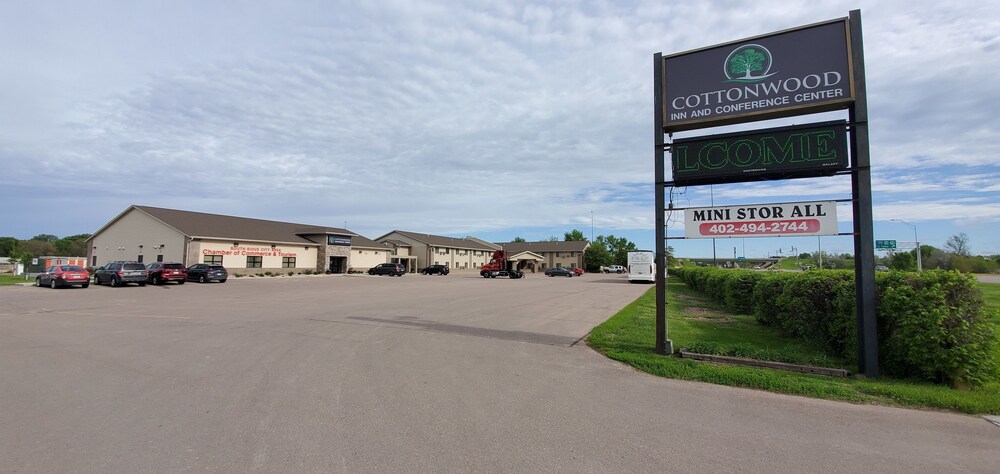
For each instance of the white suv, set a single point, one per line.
(613, 269)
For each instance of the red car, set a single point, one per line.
(577, 270)
(163, 272)
(63, 275)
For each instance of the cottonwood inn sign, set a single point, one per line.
(775, 75)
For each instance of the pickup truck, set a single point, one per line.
(613, 269)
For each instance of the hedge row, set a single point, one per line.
(932, 325)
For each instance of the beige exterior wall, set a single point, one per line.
(562, 259)
(417, 249)
(133, 235)
(234, 257)
(461, 259)
(455, 258)
(363, 259)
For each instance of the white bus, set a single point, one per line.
(641, 266)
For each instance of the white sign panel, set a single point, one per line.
(762, 220)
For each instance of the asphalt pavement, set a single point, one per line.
(418, 373)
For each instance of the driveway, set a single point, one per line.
(418, 373)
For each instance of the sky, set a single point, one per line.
(491, 119)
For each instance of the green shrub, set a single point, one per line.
(931, 325)
(934, 325)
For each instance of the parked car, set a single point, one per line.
(559, 271)
(881, 268)
(63, 275)
(614, 269)
(163, 272)
(391, 269)
(577, 270)
(203, 273)
(435, 270)
(121, 274)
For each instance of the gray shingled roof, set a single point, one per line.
(217, 226)
(537, 247)
(442, 241)
(360, 241)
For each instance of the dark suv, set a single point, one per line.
(121, 274)
(204, 272)
(435, 270)
(163, 272)
(391, 269)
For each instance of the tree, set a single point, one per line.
(7, 245)
(958, 244)
(596, 256)
(552, 238)
(903, 261)
(24, 258)
(45, 238)
(72, 246)
(37, 248)
(618, 247)
(575, 236)
(518, 239)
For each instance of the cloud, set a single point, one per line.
(446, 117)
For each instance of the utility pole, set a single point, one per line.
(591, 226)
(916, 241)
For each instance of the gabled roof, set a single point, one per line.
(218, 226)
(554, 246)
(441, 241)
(358, 241)
(526, 256)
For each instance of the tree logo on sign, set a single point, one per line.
(748, 63)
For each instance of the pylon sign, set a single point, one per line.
(805, 70)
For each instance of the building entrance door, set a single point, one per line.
(338, 264)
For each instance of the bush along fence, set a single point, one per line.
(932, 325)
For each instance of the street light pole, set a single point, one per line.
(920, 266)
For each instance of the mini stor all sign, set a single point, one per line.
(762, 220)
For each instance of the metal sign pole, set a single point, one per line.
(663, 345)
(861, 186)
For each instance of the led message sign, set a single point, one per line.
(777, 153)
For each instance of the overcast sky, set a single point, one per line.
(458, 118)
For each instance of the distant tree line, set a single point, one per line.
(43, 245)
(605, 250)
(956, 255)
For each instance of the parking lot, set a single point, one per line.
(357, 373)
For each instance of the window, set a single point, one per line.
(255, 262)
(287, 262)
(213, 259)
(159, 258)
(139, 259)
(93, 261)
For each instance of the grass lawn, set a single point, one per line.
(8, 279)
(991, 294)
(693, 321)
